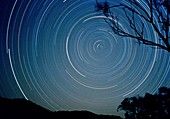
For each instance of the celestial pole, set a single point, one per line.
(64, 56)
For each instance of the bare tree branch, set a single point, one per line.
(159, 9)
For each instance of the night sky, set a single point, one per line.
(62, 55)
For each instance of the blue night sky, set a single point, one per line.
(62, 55)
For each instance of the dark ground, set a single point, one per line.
(23, 109)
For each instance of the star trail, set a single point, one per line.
(62, 55)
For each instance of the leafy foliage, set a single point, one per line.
(150, 106)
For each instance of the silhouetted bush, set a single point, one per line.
(150, 106)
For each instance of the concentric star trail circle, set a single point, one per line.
(64, 56)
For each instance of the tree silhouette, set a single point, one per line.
(157, 15)
(150, 106)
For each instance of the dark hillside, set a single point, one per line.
(23, 109)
